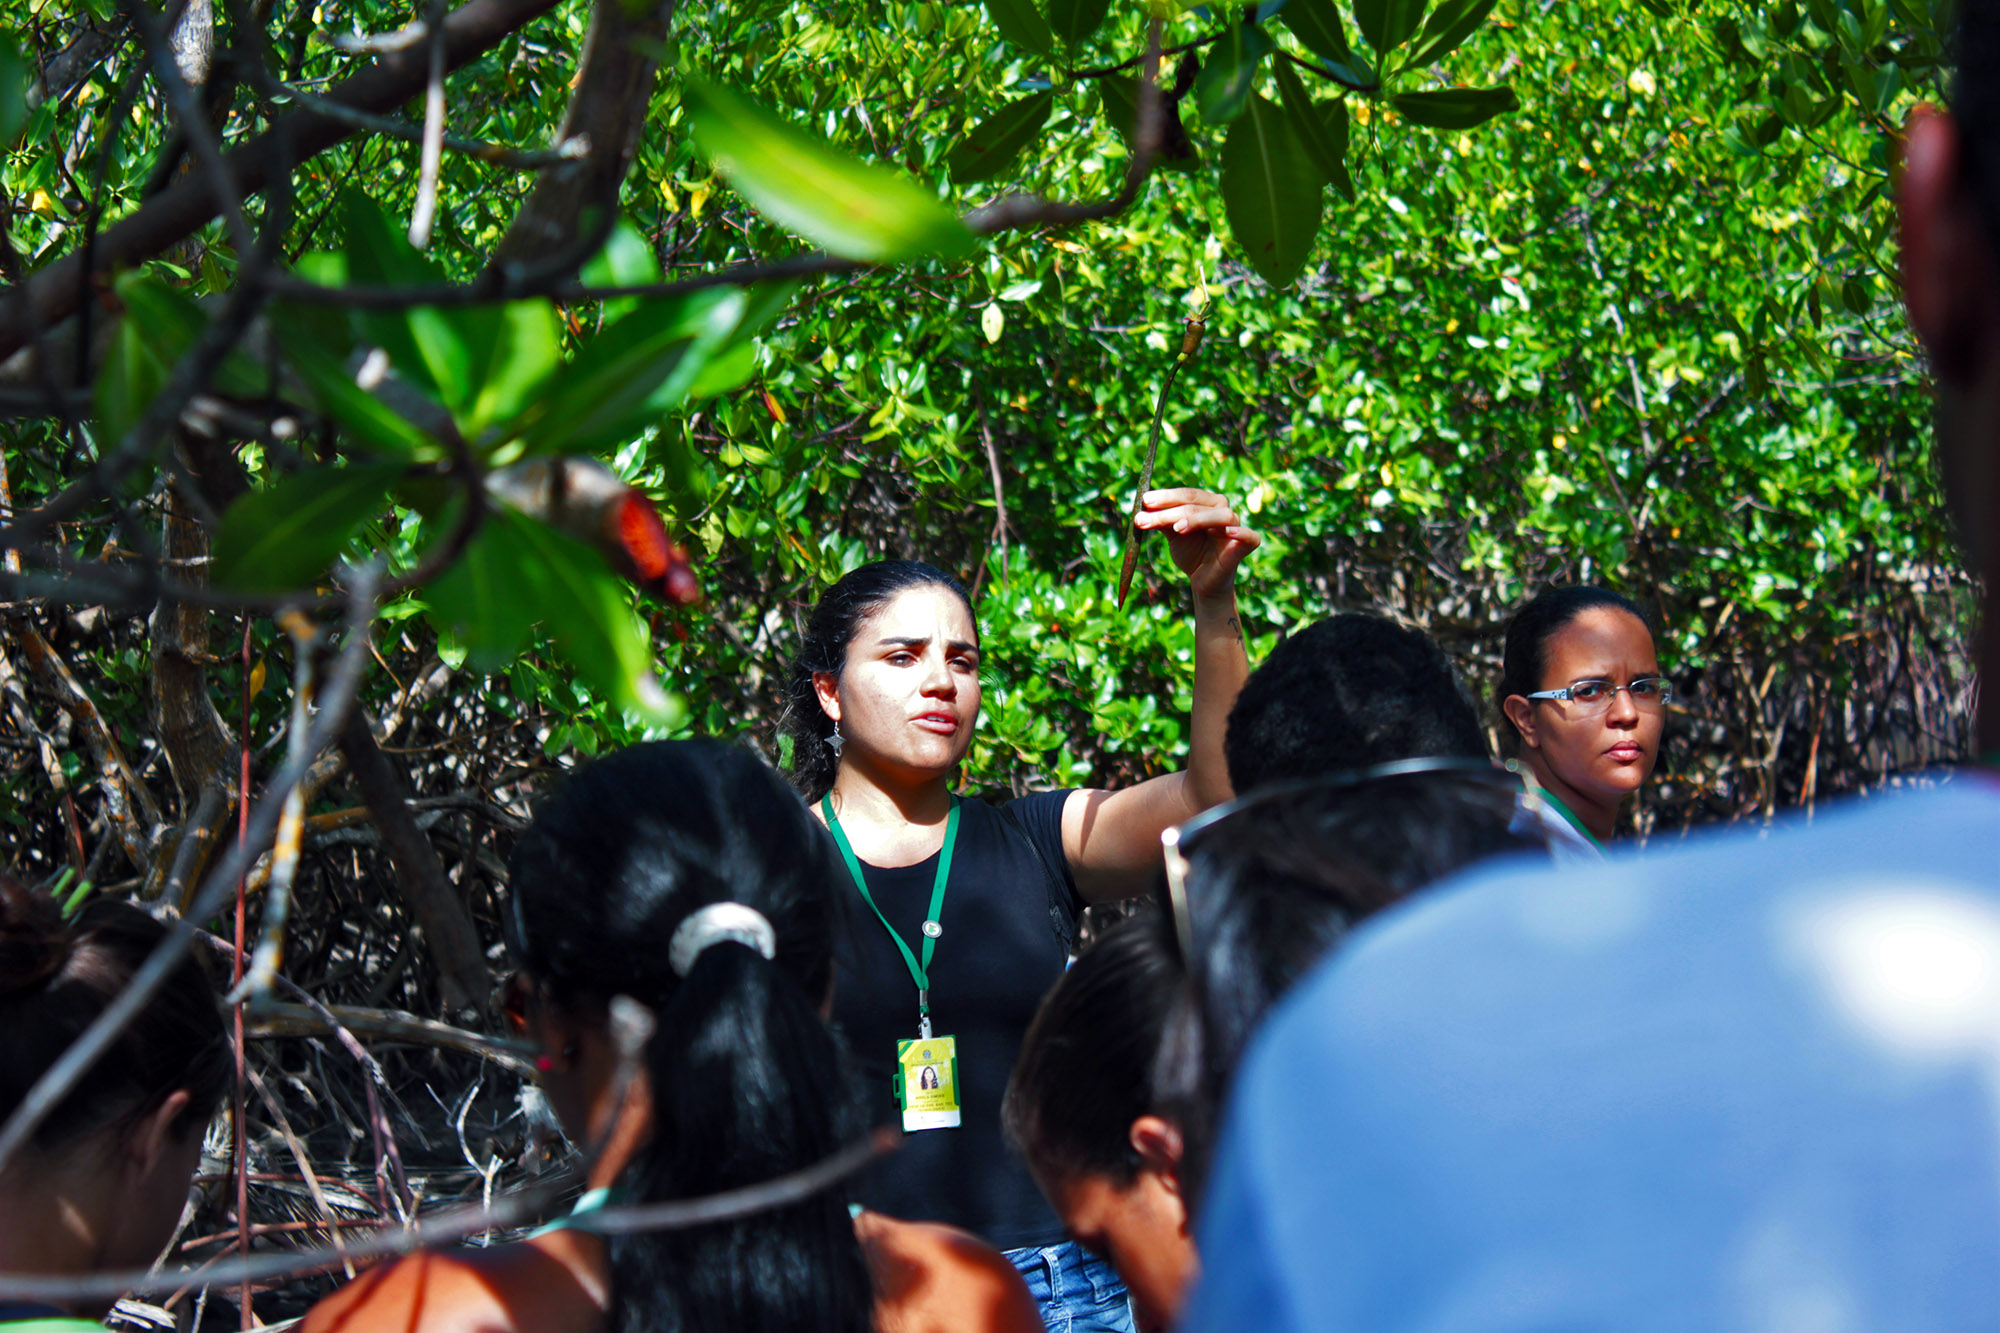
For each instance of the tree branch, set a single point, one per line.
(178, 212)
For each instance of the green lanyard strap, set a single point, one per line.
(933, 926)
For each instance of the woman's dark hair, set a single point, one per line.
(1272, 888)
(1085, 1071)
(1529, 632)
(835, 617)
(1349, 691)
(56, 977)
(747, 1082)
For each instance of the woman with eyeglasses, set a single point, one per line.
(1582, 688)
(966, 910)
(683, 876)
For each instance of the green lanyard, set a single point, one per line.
(1568, 818)
(919, 972)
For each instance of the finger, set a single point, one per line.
(1190, 518)
(1179, 495)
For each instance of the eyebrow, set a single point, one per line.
(955, 645)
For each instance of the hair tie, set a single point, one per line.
(712, 925)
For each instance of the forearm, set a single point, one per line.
(1220, 667)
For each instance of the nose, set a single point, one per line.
(937, 677)
(1623, 712)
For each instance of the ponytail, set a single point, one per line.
(749, 1086)
(747, 1082)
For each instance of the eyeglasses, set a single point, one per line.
(1176, 843)
(1650, 693)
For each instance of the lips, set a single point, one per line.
(944, 724)
(1625, 753)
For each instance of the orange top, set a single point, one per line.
(928, 1279)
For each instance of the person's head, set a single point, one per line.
(1080, 1110)
(1271, 882)
(616, 892)
(1347, 692)
(1596, 746)
(890, 659)
(129, 1133)
(1949, 198)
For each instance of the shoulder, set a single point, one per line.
(552, 1285)
(936, 1279)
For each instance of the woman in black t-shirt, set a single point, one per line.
(975, 903)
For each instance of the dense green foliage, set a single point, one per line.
(1638, 330)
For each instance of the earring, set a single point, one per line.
(835, 741)
(543, 1064)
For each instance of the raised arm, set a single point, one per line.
(1112, 838)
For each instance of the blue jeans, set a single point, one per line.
(1077, 1291)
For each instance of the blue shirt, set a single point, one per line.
(1749, 1084)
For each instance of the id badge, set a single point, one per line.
(927, 1083)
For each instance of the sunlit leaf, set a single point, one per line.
(521, 347)
(991, 147)
(286, 535)
(424, 343)
(852, 208)
(625, 261)
(1271, 190)
(478, 599)
(622, 380)
(367, 420)
(1455, 108)
(586, 609)
(732, 364)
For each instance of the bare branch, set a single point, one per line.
(56, 1082)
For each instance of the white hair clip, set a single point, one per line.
(712, 925)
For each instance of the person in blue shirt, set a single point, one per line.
(1750, 1084)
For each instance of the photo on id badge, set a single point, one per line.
(927, 1082)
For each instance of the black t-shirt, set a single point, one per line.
(999, 954)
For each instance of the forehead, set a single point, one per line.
(930, 611)
(1600, 641)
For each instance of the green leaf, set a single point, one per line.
(1271, 190)
(1448, 27)
(479, 600)
(1021, 23)
(1387, 24)
(1230, 72)
(425, 344)
(286, 535)
(625, 261)
(520, 347)
(171, 322)
(1076, 20)
(1317, 25)
(624, 379)
(735, 361)
(991, 147)
(367, 420)
(589, 614)
(1322, 131)
(1455, 108)
(132, 375)
(852, 208)
(15, 74)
